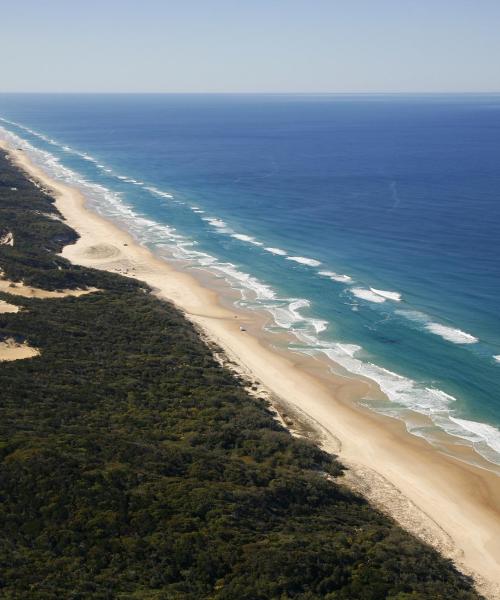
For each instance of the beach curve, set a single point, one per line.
(459, 501)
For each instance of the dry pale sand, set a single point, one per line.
(11, 350)
(5, 307)
(26, 291)
(449, 503)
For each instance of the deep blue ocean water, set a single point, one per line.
(370, 225)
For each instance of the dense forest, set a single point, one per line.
(133, 466)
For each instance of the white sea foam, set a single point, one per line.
(158, 192)
(457, 336)
(484, 438)
(215, 222)
(396, 296)
(368, 295)
(246, 238)
(53, 142)
(277, 251)
(497, 358)
(482, 431)
(261, 290)
(450, 334)
(319, 325)
(286, 312)
(349, 349)
(310, 262)
(340, 278)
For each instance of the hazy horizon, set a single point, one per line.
(287, 47)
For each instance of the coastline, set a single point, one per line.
(451, 504)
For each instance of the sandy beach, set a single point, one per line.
(449, 503)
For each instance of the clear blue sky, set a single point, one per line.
(250, 46)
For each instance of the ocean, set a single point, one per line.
(368, 226)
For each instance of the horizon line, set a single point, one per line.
(262, 93)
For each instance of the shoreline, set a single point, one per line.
(450, 504)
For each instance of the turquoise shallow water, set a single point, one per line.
(370, 226)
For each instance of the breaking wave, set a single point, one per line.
(450, 334)
(310, 262)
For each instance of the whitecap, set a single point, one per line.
(340, 278)
(450, 334)
(246, 238)
(368, 295)
(157, 191)
(396, 296)
(497, 357)
(457, 336)
(310, 262)
(277, 251)
(214, 222)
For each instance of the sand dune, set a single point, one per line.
(5, 307)
(26, 291)
(11, 350)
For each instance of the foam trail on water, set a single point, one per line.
(481, 432)
(368, 295)
(288, 314)
(310, 262)
(246, 238)
(340, 278)
(215, 222)
(396, 296)
(158, 192)
(88, 158)
(261, 290)
(435, 404)
(223, 228)
(448, 333)
(457, 336)
(497, 358)
(277, 251)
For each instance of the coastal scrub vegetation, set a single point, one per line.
(134, 467)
